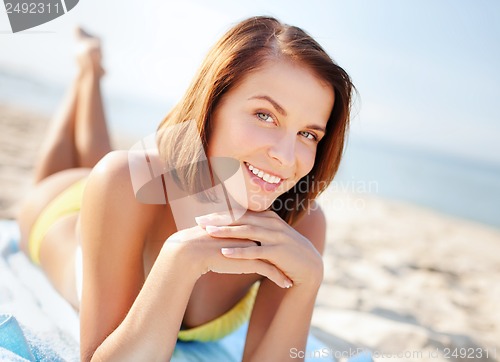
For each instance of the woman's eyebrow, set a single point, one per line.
(275, 104)
(316, 128)
(281, 110)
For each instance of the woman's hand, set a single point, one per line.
(279, 245)
(202, 253)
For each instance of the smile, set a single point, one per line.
(271, 179)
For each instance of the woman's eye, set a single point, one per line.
(309, 135)
(266, 117)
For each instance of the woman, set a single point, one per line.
(266, 97)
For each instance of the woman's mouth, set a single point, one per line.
(265, 180)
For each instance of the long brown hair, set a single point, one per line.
(243, 49)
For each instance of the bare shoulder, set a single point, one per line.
(313, 226)
(112, 168)
(112, 176)
(110, 194)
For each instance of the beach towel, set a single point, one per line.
(36, 324)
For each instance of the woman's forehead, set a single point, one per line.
(294, 87)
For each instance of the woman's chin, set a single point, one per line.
(251, 202)
(259, 204)
(245, 198)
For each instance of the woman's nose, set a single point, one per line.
(282, 149)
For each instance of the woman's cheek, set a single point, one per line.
(258, 136)
(306, 157)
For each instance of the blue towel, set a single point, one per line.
(12, 338)
(17, 345)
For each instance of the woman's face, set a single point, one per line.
(271, 124)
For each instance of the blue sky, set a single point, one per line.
(427, 72)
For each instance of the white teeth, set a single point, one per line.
(263, 175)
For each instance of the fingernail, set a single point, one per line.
(227, 251)
(211, 229)
(201, 220)
(288, 284)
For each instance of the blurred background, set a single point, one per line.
(425, 127)
(412, 261)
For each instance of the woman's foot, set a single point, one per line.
(88, 52)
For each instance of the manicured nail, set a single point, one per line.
(201, 220)
(211, 229)
(227, 251)
(288, 283)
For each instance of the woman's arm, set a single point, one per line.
(123, 315)
(281, 318)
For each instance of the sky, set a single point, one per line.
(427, 72)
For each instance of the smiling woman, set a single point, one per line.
(267, 98)
(275, 52)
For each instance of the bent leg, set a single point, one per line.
(78, 136)
(91, 132)
(58, 150)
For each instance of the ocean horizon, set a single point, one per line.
(445, 182)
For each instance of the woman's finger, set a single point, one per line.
(249, 231)
(254, 266)
(249, 252)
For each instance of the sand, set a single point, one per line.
(404, 282)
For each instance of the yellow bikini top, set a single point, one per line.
(226, 323)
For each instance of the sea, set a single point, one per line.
(445, 182)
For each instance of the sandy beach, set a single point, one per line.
(405, 282)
